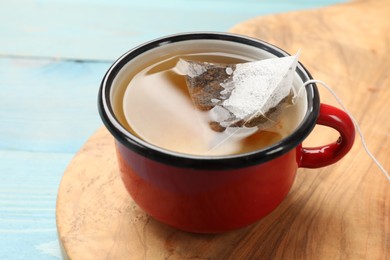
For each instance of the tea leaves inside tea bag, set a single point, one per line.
(204, 80)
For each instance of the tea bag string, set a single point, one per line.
(353, 120)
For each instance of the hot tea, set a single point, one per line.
(157, 107)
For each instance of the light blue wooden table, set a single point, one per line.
(53, 55)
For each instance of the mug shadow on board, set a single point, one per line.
(287, 230)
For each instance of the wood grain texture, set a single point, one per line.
(337, 212)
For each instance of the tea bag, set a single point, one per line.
(246, 95)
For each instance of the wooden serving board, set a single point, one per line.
(338, 212)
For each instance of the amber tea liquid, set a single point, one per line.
(154, 105)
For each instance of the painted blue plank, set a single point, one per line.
(48, 105)
(47, 111)
(28, 189)
(30, 245)
(102, 30)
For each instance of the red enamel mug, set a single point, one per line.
(214, 194)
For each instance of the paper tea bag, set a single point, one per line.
(245, 95)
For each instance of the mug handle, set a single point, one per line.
(315, 157)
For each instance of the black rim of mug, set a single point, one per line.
(205, 162)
